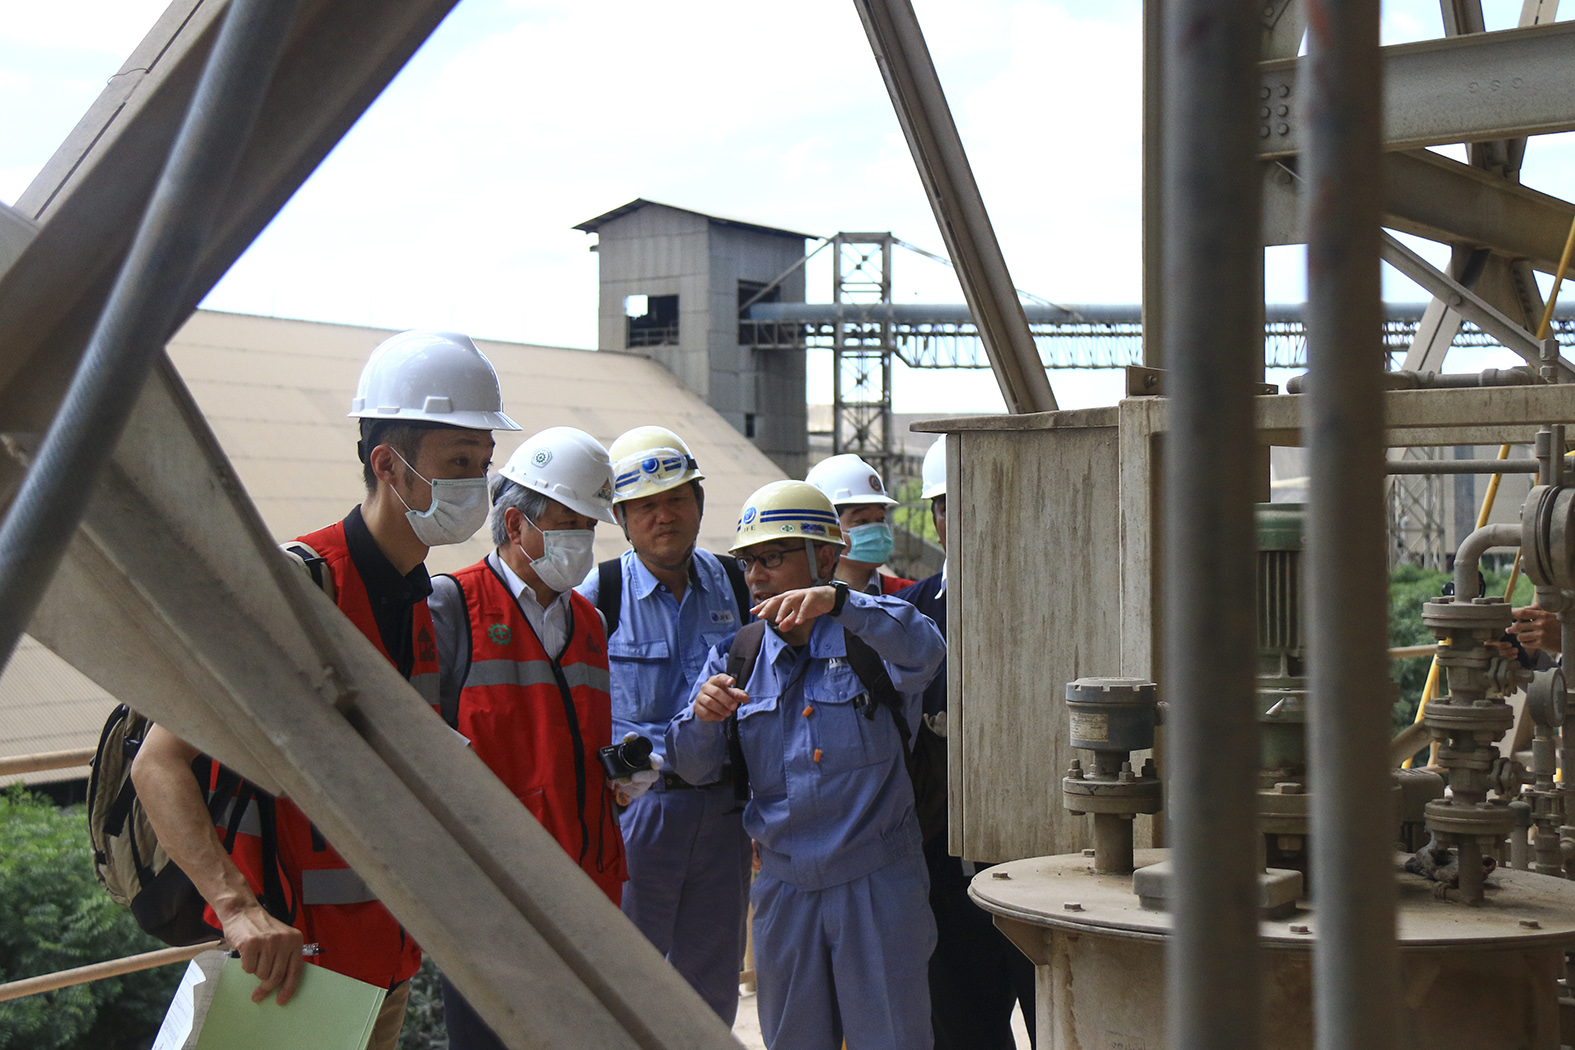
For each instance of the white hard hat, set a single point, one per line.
(785, 510)
(848, 479)
(567, 465)
(933, 473)
(648, 460)
(432, 377)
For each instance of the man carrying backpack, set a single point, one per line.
(817, 713)
(427, 402)
(666, 604)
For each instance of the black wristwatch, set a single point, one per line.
(842, 596)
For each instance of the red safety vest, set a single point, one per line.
(893, 584)
(333, 908)
(538, 723)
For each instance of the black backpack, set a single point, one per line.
(127, 857)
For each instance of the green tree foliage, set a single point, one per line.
(913, 513)
(424, 1013)
(56, 916)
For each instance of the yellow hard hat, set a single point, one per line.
(648, 460)
(785, 510)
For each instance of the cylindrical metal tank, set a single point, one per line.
(1470, 976)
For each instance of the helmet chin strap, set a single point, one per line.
(814, 566)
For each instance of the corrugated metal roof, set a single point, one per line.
(592, 225)
(276, 392)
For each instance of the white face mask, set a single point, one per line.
(566, 559)
(459, 507)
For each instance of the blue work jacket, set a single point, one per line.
(830, 799)
(660, 645)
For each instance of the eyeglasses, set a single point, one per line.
(658, 464)
(766, 559)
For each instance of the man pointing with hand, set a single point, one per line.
(815, 705)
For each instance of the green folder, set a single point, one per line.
(328, 1012)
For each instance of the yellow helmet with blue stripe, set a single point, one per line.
(786, 510)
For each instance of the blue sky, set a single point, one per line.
(451, 203)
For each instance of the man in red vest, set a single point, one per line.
(427, 402)
(524, 664)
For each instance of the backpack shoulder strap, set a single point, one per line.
(609, 592)
(447, 590)
(315, 564)
(735, 576)
(871, 669)
(743, 650)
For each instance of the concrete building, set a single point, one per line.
(672, 283)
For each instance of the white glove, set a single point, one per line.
(627, 789)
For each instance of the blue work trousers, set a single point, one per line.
(688, 887)
(847, 961)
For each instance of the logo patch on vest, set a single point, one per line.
(426, 649)
(590, 643)
(722, 616)
(500, 633)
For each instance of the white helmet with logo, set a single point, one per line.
(785, 510)
(933, 473)
(648, 460)
(431, 377)
(848, 479)
(567, 465)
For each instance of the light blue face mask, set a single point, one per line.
(871, 544)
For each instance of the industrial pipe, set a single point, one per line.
(1355, 960)
(1470, 553)
(1403, 379)
(1461, 466)
(1213, 343)
(142, 310)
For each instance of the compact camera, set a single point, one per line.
(625, 759)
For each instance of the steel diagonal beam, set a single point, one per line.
(173, 596)
(1468, 304)
(1444, 200)
(1470, 88)
(926, 119)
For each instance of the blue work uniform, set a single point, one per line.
(843, 930)
(687, 854)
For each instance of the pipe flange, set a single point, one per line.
(1546, 697)
(1126, 797)
(1454, 818)
(1491, 717)
(1481, 614)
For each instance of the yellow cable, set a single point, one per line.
(1558, 279)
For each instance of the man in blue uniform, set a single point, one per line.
(976, 974)
(666, 604)
(819, 719)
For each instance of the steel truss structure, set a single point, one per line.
(861, 350)
(1067, 337)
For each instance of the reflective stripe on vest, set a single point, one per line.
(251, 823)
(334, 886)
(536, 672)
